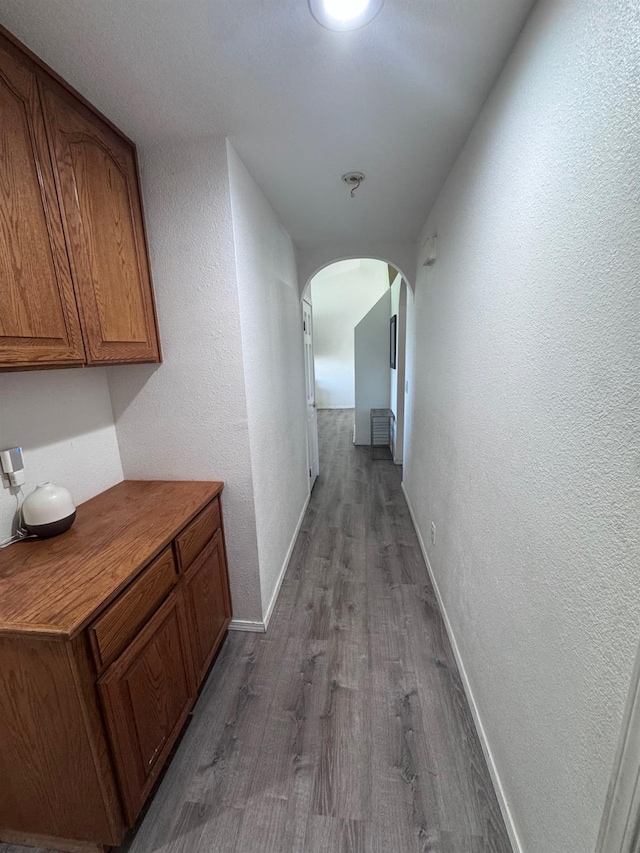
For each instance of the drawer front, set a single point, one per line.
(115, 628)
(196, 535)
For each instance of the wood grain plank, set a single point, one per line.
(457, 754)
(280, 798)
(227, 761)
(201, 826)
(336, 835)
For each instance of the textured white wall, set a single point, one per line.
(187, 419)
(64, 423)
(372, 365)
(271, 323)
(342, 294)
(525, 432)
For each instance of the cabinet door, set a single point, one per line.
(39, 323)
(97, 181)
(147, 694)
(208, 604)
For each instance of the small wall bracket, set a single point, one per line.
(432, 244)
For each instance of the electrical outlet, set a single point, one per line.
(12, 467)
(433, 533)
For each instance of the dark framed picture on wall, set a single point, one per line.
(393, 341)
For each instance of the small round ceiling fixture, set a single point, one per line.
(344, 14)
(353, 179)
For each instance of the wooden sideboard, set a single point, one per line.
(106, 634)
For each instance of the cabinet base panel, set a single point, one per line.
(66, 845)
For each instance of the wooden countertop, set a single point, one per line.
(55, 587)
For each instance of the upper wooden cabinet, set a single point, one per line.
(97, 183)
(38, 316)
(75, 286)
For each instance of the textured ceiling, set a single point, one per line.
(301, 104)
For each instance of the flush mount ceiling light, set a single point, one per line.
(344, 14)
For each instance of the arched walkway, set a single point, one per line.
(337, 379)
(402, 256)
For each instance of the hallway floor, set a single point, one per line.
(345, 727)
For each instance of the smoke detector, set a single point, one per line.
(353, 179)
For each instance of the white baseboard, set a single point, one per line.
(247, 625)
(285, 565)
(618, 826)
(493, 770)
(261, 627)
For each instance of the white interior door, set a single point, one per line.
(310, 385)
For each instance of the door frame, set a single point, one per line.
(313, 458)
(399, 375)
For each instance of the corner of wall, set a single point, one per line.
(63, 420)
(272, 358)
(187, 418)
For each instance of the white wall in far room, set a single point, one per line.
(342, 294)
(271, 323)
(187, 418)
(525, 435)
(63, 421)
(372, 365)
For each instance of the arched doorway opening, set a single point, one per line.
(355, 320)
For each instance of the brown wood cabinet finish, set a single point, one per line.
(55, 587)
(38, 317)
(112, 631)
(97, 181)
(208, 604)
(75, 285)
(80, 751)
(45, 745)
(147, 695)
(193, 538)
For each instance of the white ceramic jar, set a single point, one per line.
(48, 511)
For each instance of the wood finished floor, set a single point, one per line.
(344, 729)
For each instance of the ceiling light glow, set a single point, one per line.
(344, 14)
(345, 10)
